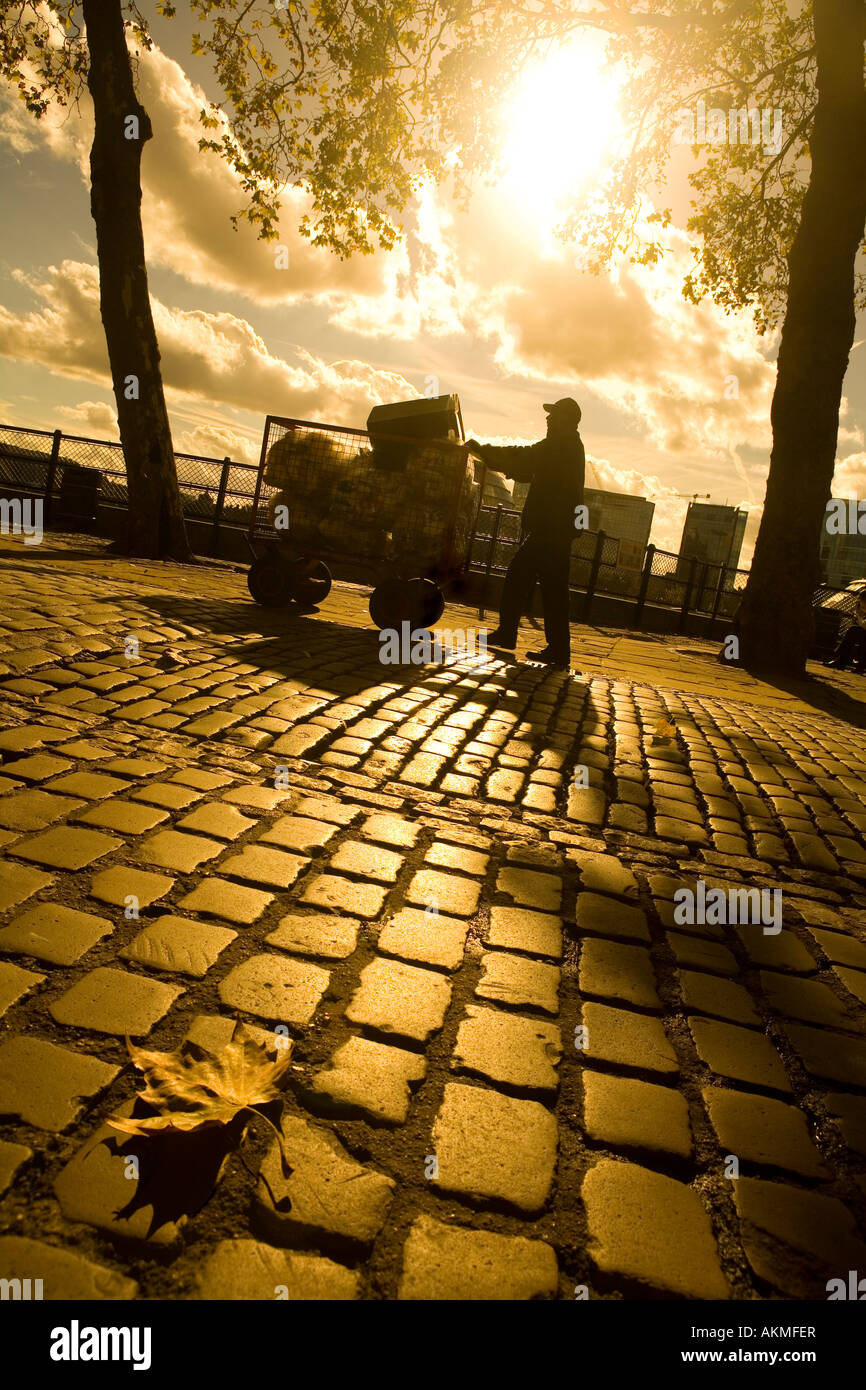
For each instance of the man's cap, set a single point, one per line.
(568, 408)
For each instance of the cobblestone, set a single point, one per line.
(522, 983)
(507, 1049)
(232, 902)
(65, 848)
(114, 1001)
(739, 1053)
(66, 1275)
(400, 1000)
(46, 1085)
(605, 916)
(491, 1146)
(179, 946)
(518, 929)
(333, 892)
(326, 1192)
(796, 1240)
(442, 1262)
(272, 987)
(449, 893)
(54, 933)
(372, 1079)
(424, 938)
(252, 1270)
(12, 1159)
(622, 1113)
(331, 938)
(612, 970)
(651, 1230)
(627, 1039)
(763, 1131)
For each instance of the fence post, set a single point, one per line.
(644, 585)
(600, 539)
(491, 549)
(720, 589)
(701, 587)
(220, 503)
(52, 472)
(687, 597)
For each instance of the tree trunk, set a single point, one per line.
(776, 618)
(121, 127)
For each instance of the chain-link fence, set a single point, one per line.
(834, 612)
(66, 469)
(599, 567)
(74, 473)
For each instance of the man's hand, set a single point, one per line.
(474, 447)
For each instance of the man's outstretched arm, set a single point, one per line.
(518, 461)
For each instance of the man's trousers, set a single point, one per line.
(546, 559)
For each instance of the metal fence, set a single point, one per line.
(220, 492)
(665, 580)
(216, 491)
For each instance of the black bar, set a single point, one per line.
(644, 584)
(52, 473)
(600, 539)
(494, 537)
(687, 597)
(220, 503)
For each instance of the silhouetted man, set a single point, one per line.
(555, 469)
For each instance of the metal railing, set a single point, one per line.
(664, 579)
(216, 491)
(220, 493)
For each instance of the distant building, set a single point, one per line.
(713, 534)
(625, 518)
(621, 516)
(843, 557)
(497, 492)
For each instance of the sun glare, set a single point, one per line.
(560, 125)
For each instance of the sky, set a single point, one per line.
(485, 302)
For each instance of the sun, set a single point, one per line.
(560, 126)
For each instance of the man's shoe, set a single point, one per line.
(498, 638)
(548, 658)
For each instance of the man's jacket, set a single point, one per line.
(555, 469)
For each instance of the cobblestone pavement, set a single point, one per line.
(516, 1073)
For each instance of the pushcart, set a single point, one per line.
(398, 511)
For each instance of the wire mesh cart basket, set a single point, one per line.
(400, 510)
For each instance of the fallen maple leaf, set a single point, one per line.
(665, 730)
(192, 1088)
(169, 659)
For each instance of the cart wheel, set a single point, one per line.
(432, 602)
(269, 582)
(419, 602)
(310, 582)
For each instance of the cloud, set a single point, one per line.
(217, 442)
(190, 196)
(849, 479)
(91, 415)
(214, 357)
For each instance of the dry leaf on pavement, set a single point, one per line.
(191, 1089)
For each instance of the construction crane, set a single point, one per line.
(693, 496)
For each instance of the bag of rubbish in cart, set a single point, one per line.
(304, 462)
(294, 519)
